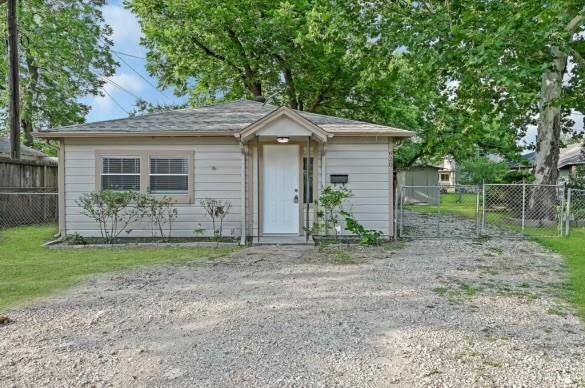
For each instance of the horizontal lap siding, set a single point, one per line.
(216, 175)
(365, 161)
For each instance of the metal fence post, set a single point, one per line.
(523, 205)
(396, 214)
(477, 220)
(401, 211)
(483, 209)
(438, 211)
(568, 213)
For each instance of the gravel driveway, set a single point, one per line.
(432, 313)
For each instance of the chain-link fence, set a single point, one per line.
(27, 208)
(516, 210)
(575, 215)
(492, 210)
(438, 211)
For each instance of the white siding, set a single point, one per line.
(216, 175)
(368, 165)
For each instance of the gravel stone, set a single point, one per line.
(435, 313)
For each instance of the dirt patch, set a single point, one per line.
(425, 313)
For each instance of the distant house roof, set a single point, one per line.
(221, 119)
(24, 150)
(571, 155)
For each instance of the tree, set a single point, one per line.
(65, 54)
(482, 170)
(246, 48)
(143, 107)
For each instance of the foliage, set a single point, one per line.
(143, 107)
(65, 54)
(518, 177)
(367, 236)
(330, 209)
(482, 170)
(114, 211)
(161, 212)
(217, 211)
(578, 180)
(331, 212)
(30, 271)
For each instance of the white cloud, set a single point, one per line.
(126, 29)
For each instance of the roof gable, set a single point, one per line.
(280, 113)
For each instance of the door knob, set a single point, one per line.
(296, 199)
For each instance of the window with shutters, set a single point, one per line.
(169, 175)
(120, 173)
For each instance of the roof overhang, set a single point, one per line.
(88, 134)
(253, 129)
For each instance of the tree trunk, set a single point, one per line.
(542, 203)
(30, 91)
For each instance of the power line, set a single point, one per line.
(122, 88)
(116, 102)
(143, 77)
(126, 54)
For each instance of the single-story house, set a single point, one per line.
(26, 153)
(270, 162)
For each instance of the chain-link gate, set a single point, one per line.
(492, 210)
(438, 211)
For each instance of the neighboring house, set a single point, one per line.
(419, 184)
(569, 158)
(269, 162)
(26, 153)
(447, 172)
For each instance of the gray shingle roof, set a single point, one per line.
(571, 155)
(229, 118)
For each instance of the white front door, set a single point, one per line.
(281, 189)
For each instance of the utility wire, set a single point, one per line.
(122, 88)
(116, 102)
(143, 77)
(126, 54)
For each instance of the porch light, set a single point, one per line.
(282, 139)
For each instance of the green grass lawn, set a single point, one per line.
(29, 271)
(572, 248)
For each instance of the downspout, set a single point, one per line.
(258, 188)
(243, 208)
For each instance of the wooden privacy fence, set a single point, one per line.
(28, 192)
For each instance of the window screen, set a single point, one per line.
(121, 174)
(169, 175)
(308, 180)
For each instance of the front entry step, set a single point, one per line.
(282, 240)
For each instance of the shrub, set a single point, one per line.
(217, 211)
(112, 210)
(161, 212)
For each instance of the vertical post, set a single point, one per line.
(307, 194)
(13, 79)
(483, 208)
(523, 205)
(258, 211)
(568, 213)
(438, 211)
(396, 199)
(401, 195)
(477, 218)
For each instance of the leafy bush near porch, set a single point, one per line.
(331, 212)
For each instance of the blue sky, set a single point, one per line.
(126, 36)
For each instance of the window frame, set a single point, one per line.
(151, 174)
(125, 156)
(145, 157)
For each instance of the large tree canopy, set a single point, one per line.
(465, 75)
(64, 55)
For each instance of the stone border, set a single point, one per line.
(194, 244)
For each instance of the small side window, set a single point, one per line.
(169, 175)
(120, 173)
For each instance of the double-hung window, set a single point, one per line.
(169, 175)
(120, 173)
